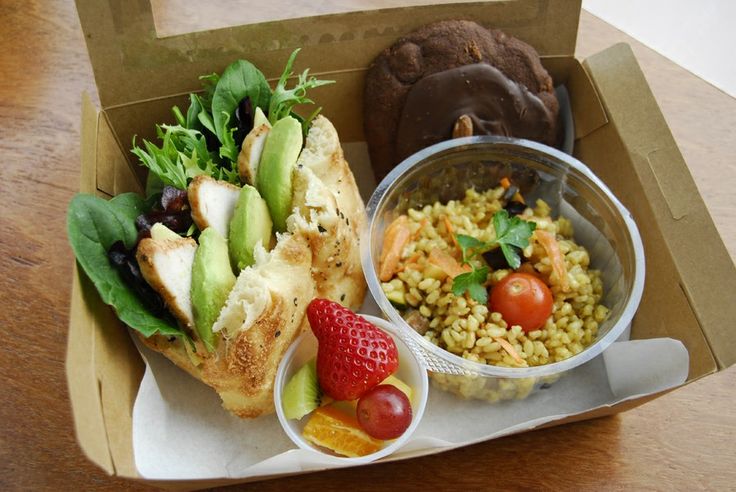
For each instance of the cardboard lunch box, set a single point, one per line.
(620, 134)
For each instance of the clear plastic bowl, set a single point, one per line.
(443, 172)
(411, 371)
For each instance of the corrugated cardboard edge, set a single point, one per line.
(587, 108)
(706, 269)
(84, 388)
(101, 357)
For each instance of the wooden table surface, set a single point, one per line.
(685, 440)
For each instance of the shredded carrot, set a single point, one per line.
(447, 263)
(509, 348)
(450, 230)
(505, 183)
(422, 225)
(394, 239)
(410, 263)
(413, 258)
(552, 247)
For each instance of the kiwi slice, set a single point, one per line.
(302, 393)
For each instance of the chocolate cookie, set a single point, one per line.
(417, 90)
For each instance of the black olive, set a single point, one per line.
(126, 264)
(243, 120)
(213, 143)
(176, 221)
(117, 254)
(144, 222)
(173, 199)
(496, 260)
(515, 208)
(509, 194)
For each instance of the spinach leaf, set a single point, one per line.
(240, 79)
(93, 225)
(198, 115)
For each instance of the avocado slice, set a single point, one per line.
(212, 280)
(251, 224)
(260, 118)
(273, 178)
(160, 232)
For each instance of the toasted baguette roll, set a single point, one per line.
(323, 154)
(318, 256)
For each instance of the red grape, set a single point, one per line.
(384, 412)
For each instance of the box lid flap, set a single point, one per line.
(706, 271)
(131, 63)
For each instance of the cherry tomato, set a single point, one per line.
(522, 299)
(384, 412)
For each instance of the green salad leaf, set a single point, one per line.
(512, 235)
(283, 100)
(203, 140)
(93, 226)
(239, 80)
(182, 156)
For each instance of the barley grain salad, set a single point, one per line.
(494, 280)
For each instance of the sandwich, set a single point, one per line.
(252, 211)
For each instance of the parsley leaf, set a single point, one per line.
(512, 235)
(473, 283)
(470, 246)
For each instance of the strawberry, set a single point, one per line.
(353, 355)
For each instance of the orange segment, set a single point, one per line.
(335, 430)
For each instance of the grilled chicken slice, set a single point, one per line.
(213, 203)
(250, 155)
(166, 264)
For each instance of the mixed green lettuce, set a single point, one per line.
(204, 140)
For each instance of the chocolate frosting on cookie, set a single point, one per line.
(441, 47)
(496, 105)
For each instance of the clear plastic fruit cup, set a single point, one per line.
(444, 172)
(411, 371)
